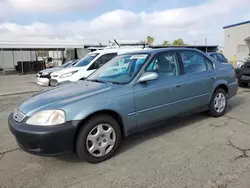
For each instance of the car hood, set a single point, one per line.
(61, 96)
(51, 70)
(67, 70)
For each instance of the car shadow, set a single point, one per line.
(71, 158)
(235, 102)
(162, 128)
(168, 126)
(159, 129)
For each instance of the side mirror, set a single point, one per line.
(148, 76)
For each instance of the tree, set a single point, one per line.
(150, 40)
(166, 43)
(178, 42)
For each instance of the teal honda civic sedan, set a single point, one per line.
(126, 95)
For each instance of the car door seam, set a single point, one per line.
(163, 105)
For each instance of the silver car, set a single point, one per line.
(43, 77)
(91, 117)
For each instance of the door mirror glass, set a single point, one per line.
(148, 76)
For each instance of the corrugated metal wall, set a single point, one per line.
(234, 42)
(9, 59)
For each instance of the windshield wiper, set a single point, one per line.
(105, 82)
(118, 83)
(95, 80)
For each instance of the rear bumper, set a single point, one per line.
(232, 89)
(44, 141)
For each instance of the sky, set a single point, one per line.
(103, 20)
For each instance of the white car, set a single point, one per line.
(87, 65)
(43, 77)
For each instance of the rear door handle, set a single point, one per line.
(213, 77)
(179, 85)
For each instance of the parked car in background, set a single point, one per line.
(87, 65)
(243, 73)
(218, 56)
(43, 77)
(91, 116)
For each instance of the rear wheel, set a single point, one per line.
(242, 84)
(98, 139)
(218, 103)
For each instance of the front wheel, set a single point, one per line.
(98, 139)
(218, 103)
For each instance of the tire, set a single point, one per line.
(242, 84)
(85, 136)
(216, 112)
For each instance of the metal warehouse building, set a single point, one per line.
(237, 41)
(18, 52)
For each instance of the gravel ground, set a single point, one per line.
(196, 151)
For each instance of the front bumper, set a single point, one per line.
(54, 82)
(44, 141)
(42, 81)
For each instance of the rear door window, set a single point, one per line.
(194, 62)
(220, 57)
(214, 56)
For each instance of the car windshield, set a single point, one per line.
(86, 60)
(69, 63)
(120, 70)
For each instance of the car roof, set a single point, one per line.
(113, 50)
(210, 53)
(158, 50)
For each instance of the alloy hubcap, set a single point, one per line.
(220, 102)
(100, 140)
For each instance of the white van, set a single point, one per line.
(87, 65)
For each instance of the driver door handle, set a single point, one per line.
(179, 85)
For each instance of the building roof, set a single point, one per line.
(43, 43)
(237, 24)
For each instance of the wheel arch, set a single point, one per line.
(111, 113)
(222, 85)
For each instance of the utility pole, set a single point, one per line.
(206, 43)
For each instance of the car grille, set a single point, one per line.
(40, 75)
(18, 115)
(46, 76)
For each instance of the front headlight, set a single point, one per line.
(45, 73)
(67, 74)
(47, 118)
